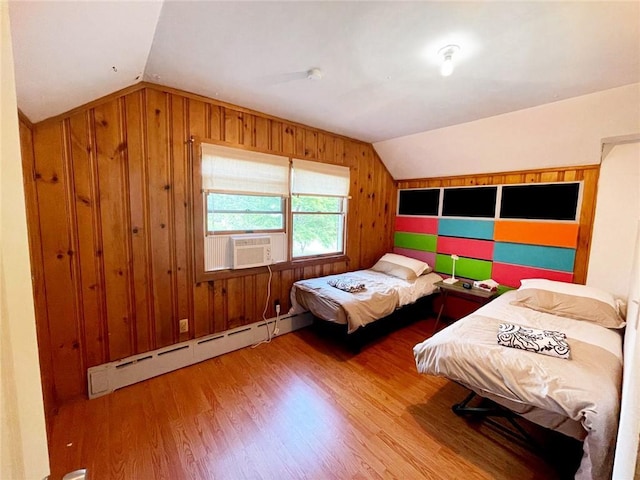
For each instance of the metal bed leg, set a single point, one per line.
(495, 410)
(459, 408)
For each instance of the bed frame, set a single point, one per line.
(402, 317)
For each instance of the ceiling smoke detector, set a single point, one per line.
(314, 74)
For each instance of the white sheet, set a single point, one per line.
(384, 293)
(585, 388)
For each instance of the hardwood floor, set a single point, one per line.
(300, 407)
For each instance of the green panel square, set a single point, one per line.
(415, 241)
(504, 289)
(465, 267)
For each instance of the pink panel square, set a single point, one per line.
(466, 247)
(510, 275)
(427, 257)
(417, 225)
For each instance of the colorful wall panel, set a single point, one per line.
(427, 257)
(511, 275)
(533, 233)
(466, 247)
(415, 241)
(552, 258)
(506, 250)
(454, 227)
(417, 225)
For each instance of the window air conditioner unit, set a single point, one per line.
(251, 251)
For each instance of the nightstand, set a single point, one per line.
(476, 296)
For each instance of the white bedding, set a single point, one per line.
(585, 388)
(382, 295)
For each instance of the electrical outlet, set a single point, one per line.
(276, 306)
(184, 325)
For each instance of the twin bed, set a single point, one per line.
(368, 295)
(578, 395)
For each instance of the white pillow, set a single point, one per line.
(570, 300)
(571, 289)
(400, 266)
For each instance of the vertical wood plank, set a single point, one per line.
(369, 212)
(354, 225)
(114, 224)
(289, 140)
(235, 302)
(182, 208)
(56, 243)
(233, 126)
(140, 226)
(83, 171)
(587, 215)
(49, 395)
(248, 130)
(338, 151)
(160, 230)
(275, 137)
(249, 292)
(322, 148)
(202, 314)
(286, 281)
(216, 121)
(220, 317)
(310, 144)
(262, 131)
(549, 177)
(514, 178)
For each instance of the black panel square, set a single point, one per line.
(555, 201)
(419, 202)
(470, 202)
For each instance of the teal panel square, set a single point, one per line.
(463, 228)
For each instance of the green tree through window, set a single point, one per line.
(244, 213)
(318, 224)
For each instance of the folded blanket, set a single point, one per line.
(347, 284)
(546, 342)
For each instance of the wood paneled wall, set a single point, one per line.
(588, 174)
(110, 219)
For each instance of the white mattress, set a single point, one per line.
(382, 295)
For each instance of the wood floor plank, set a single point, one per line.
(300, 407)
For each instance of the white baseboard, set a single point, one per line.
(105, 378)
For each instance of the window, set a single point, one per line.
(244, 191)
(301, 205)
(318, 225)
(319, 194)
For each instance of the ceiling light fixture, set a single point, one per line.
(447, 53)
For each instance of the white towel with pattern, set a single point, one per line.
(546, 342)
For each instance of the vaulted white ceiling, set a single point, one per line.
(379, 59)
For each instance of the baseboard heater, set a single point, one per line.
(106, 378)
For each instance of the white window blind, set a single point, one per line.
(315, 178)
(231, 170)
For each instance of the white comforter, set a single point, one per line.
(382, 295)
(585, 388)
